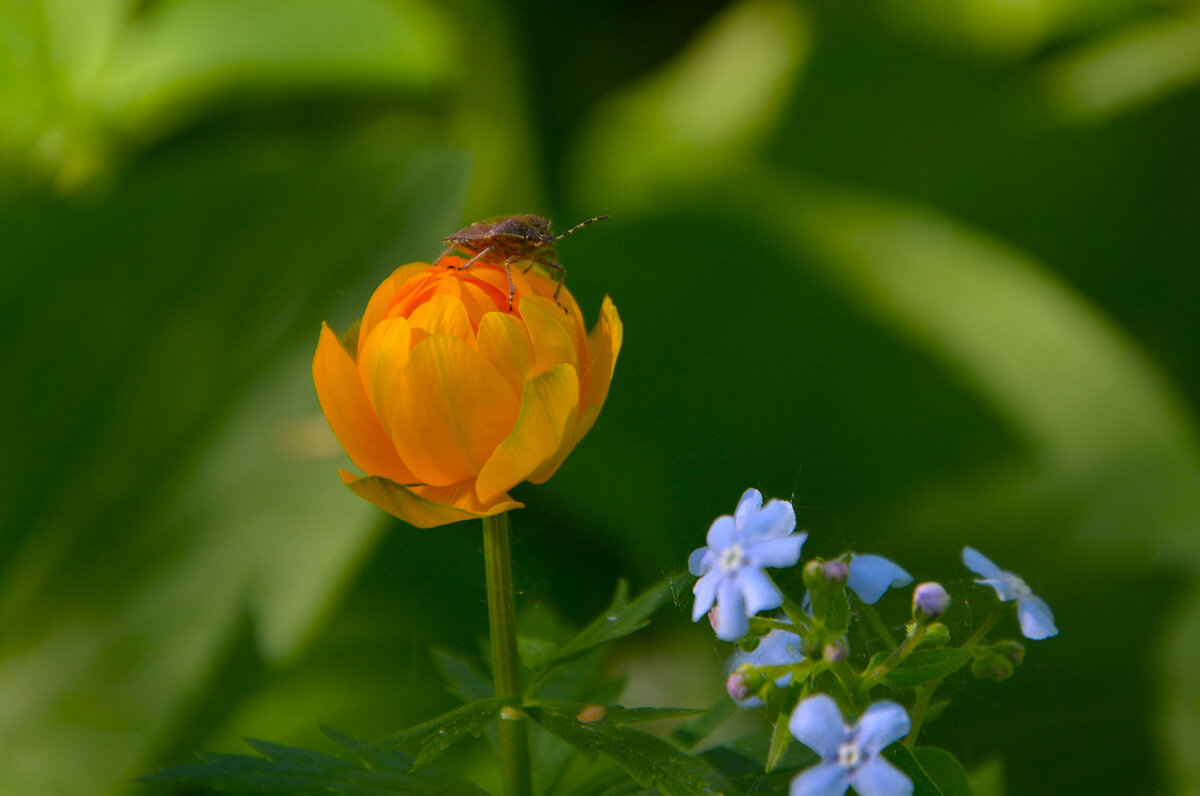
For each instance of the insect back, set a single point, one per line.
(512, 240)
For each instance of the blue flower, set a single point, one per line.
(851, 754)
(731, 567)
(1037, 622)
(777, 648)
(871, 576)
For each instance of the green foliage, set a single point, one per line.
(651, 761)
(936, 257)
(621, 618)
(922, 666)
(291, 770)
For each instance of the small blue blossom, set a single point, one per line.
(851, 754)
(1037, 622)
(731, 567)
(777, 648)
(871, 576)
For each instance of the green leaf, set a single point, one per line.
(903, 759)
(781, 735)
(944, 769)
(291, 770)
(436, 735)
(462, 677)
(690, 733)
(614, 714)
(922, 666)
(219, 508)
(651, 761)
(621, 618)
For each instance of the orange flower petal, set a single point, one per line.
(349, 412)
(450, 411)
(549, 406)
(444, 313)
(551, 333)
(381, 299)
(504, 341)
(604, 344)
(381, 360)
(425, 506)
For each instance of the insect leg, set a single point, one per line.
(511, 288)
(442, 256)
(472, 261)
(561, 275)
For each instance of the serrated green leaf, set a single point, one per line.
(924, 666)
(436, 735)
(621, 618)
(651, 761)
(781, 735)
(690, 733)
(462, 677)
(535, 652)
(945, 770)
(292, 770)
(614, 714)
(903, 759)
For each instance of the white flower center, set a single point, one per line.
(1020, 587)
(849, 755)
(732, 558)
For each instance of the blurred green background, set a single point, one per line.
(927, 266)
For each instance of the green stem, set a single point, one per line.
(514, 742)
(925, 692)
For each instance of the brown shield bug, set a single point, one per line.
(513, 239)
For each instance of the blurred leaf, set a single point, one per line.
(945, 770)
(703, 114)
(186, 53)
(287, 769)
(921, 666)
(688, 734)
(611, 714)
(463, 679)
(85, 81)
(903, 759)
(650, 760)
(437, 735)
(157, 506)
(1138, 64)
(621, 618)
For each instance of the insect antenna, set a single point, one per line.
(579, 226)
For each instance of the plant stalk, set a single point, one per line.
(514, 741)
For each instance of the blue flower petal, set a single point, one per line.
(747, 507)
(700, 562)
(980, 564)
(878, 777)
(722, 533)
(871, 576)
(777, 648)
(759, 592)
(777, 519)
(777, 553)
(824, 779)
(883, 723)
(817, 723)
(732, 622)
(706, 594)
(1037, 622)
(1006, 590)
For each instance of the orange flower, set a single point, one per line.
(447, 400)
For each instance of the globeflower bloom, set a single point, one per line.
(447, 400)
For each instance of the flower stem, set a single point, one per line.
(514, 742)
(925, 692)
